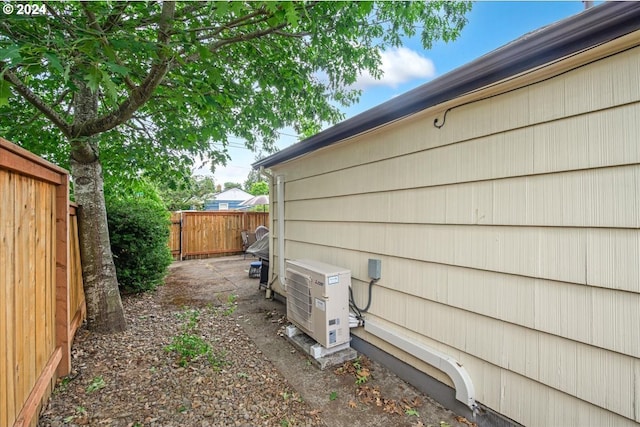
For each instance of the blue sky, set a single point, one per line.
(491, 24)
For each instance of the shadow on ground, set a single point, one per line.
(198, 283)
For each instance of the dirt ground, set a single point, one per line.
(197, 282)
(252, 376)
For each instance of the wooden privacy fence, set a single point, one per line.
(203, 234)
(41, 294)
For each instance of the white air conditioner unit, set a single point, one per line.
(318, 300)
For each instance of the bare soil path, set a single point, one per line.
(254, 376)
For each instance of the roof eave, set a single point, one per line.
(592, 27)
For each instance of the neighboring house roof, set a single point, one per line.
(233, 194)
(589, 28)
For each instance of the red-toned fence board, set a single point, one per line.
(40, 293)
(204, 234)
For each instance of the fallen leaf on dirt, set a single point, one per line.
(143, 387)
(463, 420)
(364, 372)
(141, 382)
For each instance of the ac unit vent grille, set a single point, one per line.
(318, 300)
(299, 293)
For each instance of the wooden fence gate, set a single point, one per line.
(204, 234)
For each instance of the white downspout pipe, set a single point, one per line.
(268, 291)
(465, 392)
(280, 196)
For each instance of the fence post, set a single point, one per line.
(181, 231)
(63, 322)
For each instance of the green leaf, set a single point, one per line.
(66, 72)
(110, 88)
(93, 79)
(118, 69)
(236, 7)
(5, 92)
(271, 6)
(54, 61)
(11, 54)
(291, 13)
(203, 52)
(221, 7)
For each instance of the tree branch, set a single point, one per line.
(245, 37)
(214, 46)
(94, 25)
(61, 98)
(37, 102)
(189, 11)
(245, 21)
(93, 22)
(233, 23)
(114, 18)
(293, 35)
(141, 128)
(60, 21)
(140, 94)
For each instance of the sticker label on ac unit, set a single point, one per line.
(320, 304)
(333, 279)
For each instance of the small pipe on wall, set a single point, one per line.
(280, 196)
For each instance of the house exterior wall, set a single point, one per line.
(214, 205)
(509, 238)
(227, 200)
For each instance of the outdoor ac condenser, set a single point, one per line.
(318, 300)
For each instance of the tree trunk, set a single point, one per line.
(104, 307)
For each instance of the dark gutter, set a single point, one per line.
(594, 26)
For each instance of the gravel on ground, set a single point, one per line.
(131, 378)
(246, 374)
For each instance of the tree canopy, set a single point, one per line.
(258, 188)
(188, 194)
(229, 185)
(130, 89)
(212, 69)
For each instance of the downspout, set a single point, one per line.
(280, 196)
(465, 391)
(262, 171)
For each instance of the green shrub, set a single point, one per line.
(139, 232)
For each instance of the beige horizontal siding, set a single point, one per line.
(600, 139)
(562, 254)
(618, 74)
(509, 239)
(579, 313)
(422, 299)
(575, 199)
(565, 365)
(505, 390)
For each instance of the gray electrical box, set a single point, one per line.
(375, 266)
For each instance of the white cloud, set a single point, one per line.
(399, 65)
